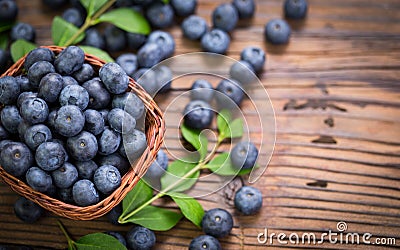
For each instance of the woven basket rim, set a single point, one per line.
(154, 129)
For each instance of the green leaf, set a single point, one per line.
(136, 197)
(92, 6)
(165, 1)
(197, 139)
(127, 19)
(189, 206)
(98, 241)
(3, 40)
(97, 52)
(156, 218)
(20, 48)
(223, 119)
(236, 128)
(6, 26)
(222, 165)
(174, 174)
(62, 31)
(228, 128)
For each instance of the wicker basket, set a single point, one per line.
(155, 128)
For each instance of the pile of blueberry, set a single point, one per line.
(62, 126)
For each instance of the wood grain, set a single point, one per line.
(336, 95)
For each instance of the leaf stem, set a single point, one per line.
(71, 243)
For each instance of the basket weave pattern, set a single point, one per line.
(155, 129)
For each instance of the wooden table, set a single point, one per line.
(335, 91)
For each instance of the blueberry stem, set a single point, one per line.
(71, 243)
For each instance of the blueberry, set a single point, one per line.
(160, 15)
(244, 155)
(245, 8)
(86, 169)
(215, 41)
(94, 121)
(69, 80)
(135, 40)
(69, 121)
(140, 238)
(38, 179)
(129, 102)
(74, 95)
(65, 195)
(16, 158)
(38, 70)
(202, 90)
(51, 118)
(255, 56)
(114, 78)
(27, 210)
(116, 160)
(163, 77)
(164, 40)
(74, 16)
(3, 133)
(23, 83)
(50, 156)
(229, 94)
(69, 60)
(3, 143)
(65, 176)
(134, 144)
(114, 214)
(38, 54)
(23, 31)
(147, 79)
(104, 114)
(24, 96)
(118, 236)
(217, 222)
(149, 55)
(50, 87)
(83, 146)
(94, 38)
(34, 110)
(198, 114)
(107, 178)
(225, 17)
(108, 141)
(248, 200)
(184, 7)
(22, 127)
(158, 167)
(242, 72)
(121, 121)
(128, 63)
(99, 97)
(295, 9)
(84, 193)
(9, 90)
(84, 74)
(8, 10)
(205, 242)
(36, 135)
(277, 31)
(115, 38)
(194, 27)
(10, 118)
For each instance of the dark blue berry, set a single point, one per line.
(225, 17)
(242, 72)
(114, 78)
(194, 27)
(244, 155)
(83, 146)
(164, 40)
(94, 38)
(69, 121)
(116, 160)
(128, 63)
(160, 15)
(9, 90)
(38, 70)
(229, 94)
(16, 158)
(248, 200)
(38, 179)
(3, 143)
(69, 80)
(99, 97)
(217, 222)
(84, 193)
(65, 176)
(115, 38)
(50, 156)
(10, 118)
(107, 178)
(198, 114)
(135, 40)
(255, 56)
(295, 9)
(36, 135)
(74, 95)
(149, 55)
(118, 236)
(23, 31)
(164, 78)
(3, 133)
(121, 121)
(34, 110)
(84, 74)
(24, 96)
(114, 214)
(86, 169)
(65, 195)
(50, 87)
(23, 83)
(51, 118)
(27, 210)
(104, 114)
(205, 242)
(94, 121)
(140, 238)
(74, 16)
(69, 60)
(22, 127)
(158, 167)
(245, 8)
(134, 145)
(184, 7)
(146, 78)
(8, 10)
(202, 90)
(215, 41)
(129, 102)
(108, 141)
(277, 31)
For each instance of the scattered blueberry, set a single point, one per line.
(38, 54)
(74, 95)
(84, 193)
(69, 60)
(38, 70)
(146, 78)
(114, 214)
(255, 56)
(217, 222)
(94, 38)
(38, 179)
(225, 17)
(16, 158)
(114, 78)
(215, 41)
(205, 242)
(128, 63)
(86, 169)
(23, 31)
(27, 210)
(116, 160)
(140, 238)
(74, 16)
(8, 10)
(50, 87)
(65, 176)
(9, 90)
(198, 114)
(245, 8)
(135, 40)
(94, 121)
(50, 156)
(84, 74)
(163, 77)
(134, 145)
(36, 135)
(202, 90)
(118, 236)
(115, 38)
(149, 55)
(194, 27)
(242, 72)
(295, 9)
(10, 118)
(158, 167)
(164, 40)
(277, 31)
(244, 155)
(129, 102)
(108, 141)
(107, 178)
(69, 120)
(83, 146)
(34, 110)
(229, 94)
(248, 200)
(160, 15)
(99, 97)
